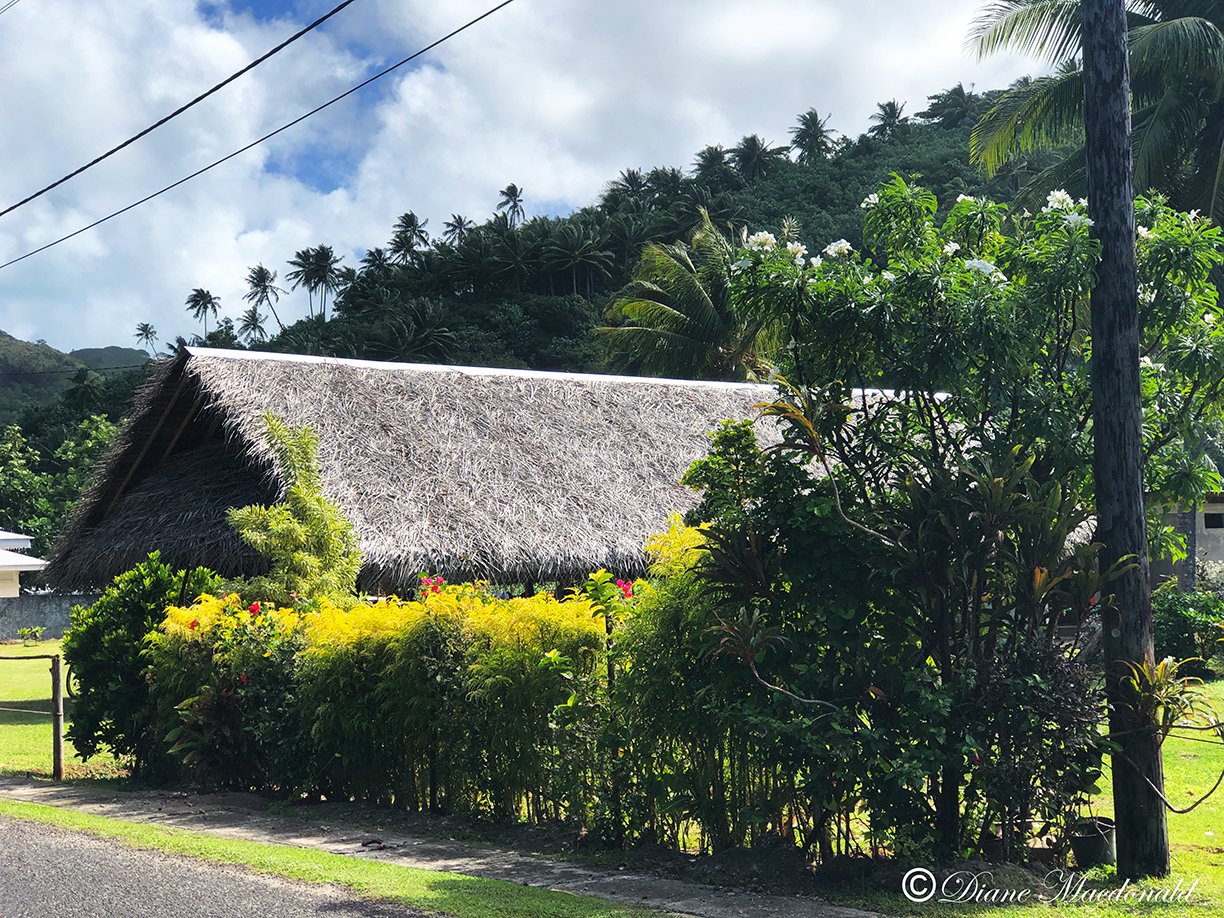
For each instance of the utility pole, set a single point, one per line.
(1138, 771)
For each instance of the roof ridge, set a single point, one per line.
(460, 370)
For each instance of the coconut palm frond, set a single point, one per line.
(1067, 173)
(1049, 29)
(1162, 136)
(1045, 112)
(1189, 48)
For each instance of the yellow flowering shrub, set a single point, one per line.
(676, 550)
(445, 697)
(210, 617)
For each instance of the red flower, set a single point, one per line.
(253, 608)
(242, 678)
(195, 623)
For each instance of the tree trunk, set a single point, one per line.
(1187, 570)
(1142, 831)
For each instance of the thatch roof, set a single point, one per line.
(508, 475)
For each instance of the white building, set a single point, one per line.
(12, 562)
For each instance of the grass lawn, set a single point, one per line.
(25, 739)
(433, 891)
(1197, 840)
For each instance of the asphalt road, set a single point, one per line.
(49, 873)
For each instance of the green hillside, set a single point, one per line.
(105, 358)
(30, 374)
(34, 374)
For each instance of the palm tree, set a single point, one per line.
(629, 232)
(200, 303)
(811, 137)
(754, 158)
(407, 236)
(475, 262)
(318, 271)
(376, 261)
(664, 184)
(681, 319)
(262, 290)
(1176, 60)
(712, 168)
(628, 187)
(1117, 416)
(512, 203)
(952, 108)
(147, 335)
(577, 247)
(513, 258)
(456, 228)
(888, 120)
(86, 389)
(250, 326)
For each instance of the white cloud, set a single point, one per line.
(554, 95)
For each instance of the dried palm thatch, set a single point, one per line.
(506, 475)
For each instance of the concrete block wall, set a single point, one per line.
(47, 610)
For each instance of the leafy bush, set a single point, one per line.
(103, 647)
(1186, 625)
(222, 671)
(311, 547)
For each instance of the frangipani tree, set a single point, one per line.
(972, 473)
(981, 324)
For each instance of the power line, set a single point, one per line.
(314, 111)
(74, 370)
(178, 111)
(8, 6)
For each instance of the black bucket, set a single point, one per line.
(1092, 841)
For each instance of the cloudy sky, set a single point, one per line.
(556, 95)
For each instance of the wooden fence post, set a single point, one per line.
(57, 717)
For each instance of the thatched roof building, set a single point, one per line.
(507, 475)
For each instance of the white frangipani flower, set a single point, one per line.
(870, 201)
(1143, 232)
(1209, 319)
(964, 197)
(985, 268)
(1058, 200)
(817, 261)
(762, 241)
(951, 248)
(840, 247)
(798, 251)
(1075, 221)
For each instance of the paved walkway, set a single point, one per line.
(245, 816)
(47, 871)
